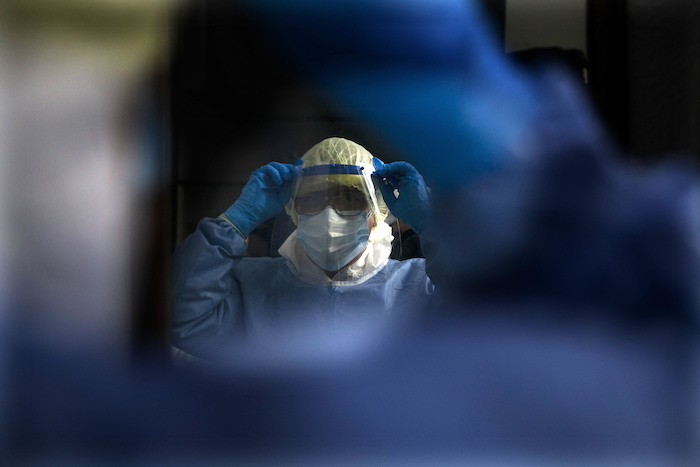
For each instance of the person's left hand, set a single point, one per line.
(412, 206)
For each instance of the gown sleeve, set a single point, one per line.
(207, 302)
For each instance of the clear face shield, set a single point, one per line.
(334, 207)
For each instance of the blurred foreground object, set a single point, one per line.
(428, 75)
(79, 160)
(77, 170)
(121, 37)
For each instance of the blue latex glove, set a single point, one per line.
(413, 206)
(267, 191)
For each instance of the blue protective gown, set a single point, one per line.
(220, 296)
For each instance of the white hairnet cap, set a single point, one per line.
(337, 150)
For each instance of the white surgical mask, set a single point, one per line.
(332, 240)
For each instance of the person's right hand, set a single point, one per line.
(267, 191)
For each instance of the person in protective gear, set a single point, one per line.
(334, 269)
